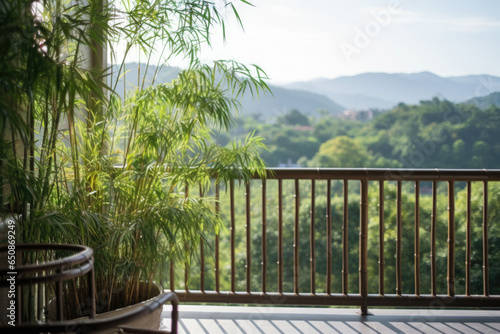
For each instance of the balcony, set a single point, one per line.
(370, 240)
(290, 253)
(423, 239)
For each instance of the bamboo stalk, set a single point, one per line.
(172, 275)
(59, 297)
(202, 256)
(39, 300)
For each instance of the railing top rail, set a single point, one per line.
(385, 174)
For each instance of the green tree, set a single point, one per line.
(341, 151)
(294, 117)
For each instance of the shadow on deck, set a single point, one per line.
(290, 320)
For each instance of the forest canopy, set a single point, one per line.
(432, 134)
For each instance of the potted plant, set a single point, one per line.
(112, 173)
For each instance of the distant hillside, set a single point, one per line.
(267, 105)
(383, 90)
(285, 100)
(486, 101)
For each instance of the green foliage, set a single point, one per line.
(294, 117)
(432, 134)
(83, 166)
(341, 151)
(435, 134)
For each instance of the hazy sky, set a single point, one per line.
(296, 40)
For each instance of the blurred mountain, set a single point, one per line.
(267, 105)
(384, 90)
(283, 100)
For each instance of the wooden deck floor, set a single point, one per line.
(290, 320)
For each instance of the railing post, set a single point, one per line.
(399, 240)
(486, 280)
(312, 238)
(433, 240)
(381, 234)
(232, 230)
(451, 239)
(264, 237)
(202, 256)
(417, 238)
(202, 265)
(468, 241)
(363, 246)
(280, 236)
(328, 237)
(217, 239)
(248, 238)
(296, 232)
(345, 241)
(186, 246)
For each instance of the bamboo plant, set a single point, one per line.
(114, 173)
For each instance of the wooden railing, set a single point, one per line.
(45, 266)
(244, 225)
